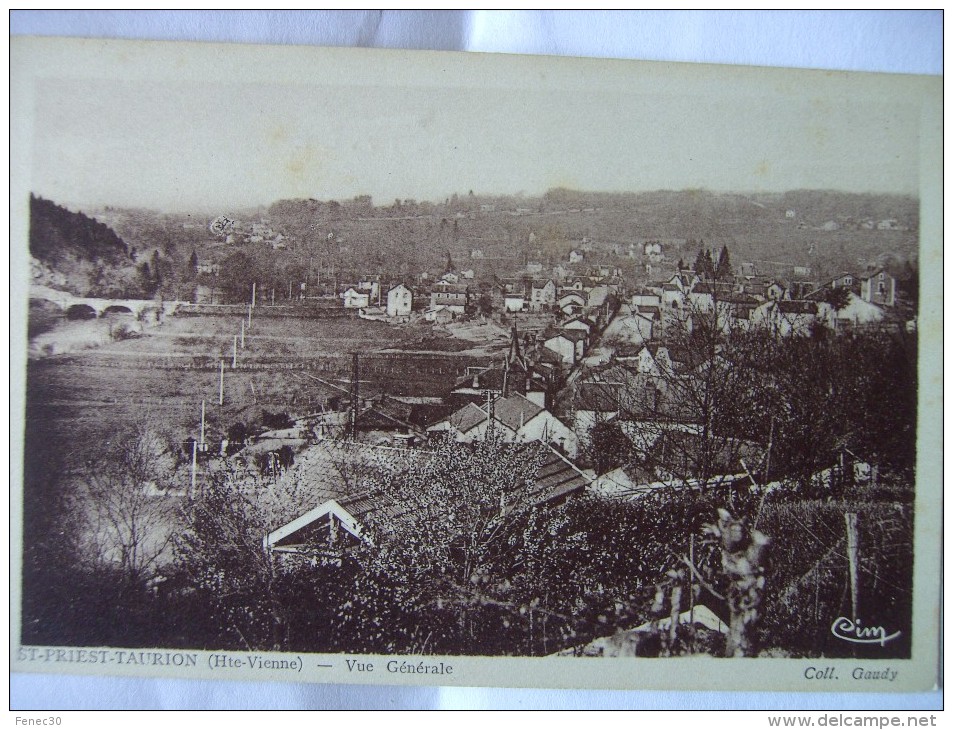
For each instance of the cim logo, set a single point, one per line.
(851, 630)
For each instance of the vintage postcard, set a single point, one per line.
(452, 369)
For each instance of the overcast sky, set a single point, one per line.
(200, 146)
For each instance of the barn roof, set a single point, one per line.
(352, 501)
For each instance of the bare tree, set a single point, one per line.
(124, 505)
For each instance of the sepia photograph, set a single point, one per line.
(363, 366)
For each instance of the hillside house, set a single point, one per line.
(653, 360)
(571, 302)
(374, 314)
(786, 317)
(513, 375)
(633, 329)
(453, 297)
(856, 313)
(578, 323)
(879, 288)
(542, 295)
(399, 301)
(844, 280)
(597, 297)
(355, 298)
(672, 296)
(514, 301)
(644, 297)
(514, 419)
(440, 314)
(570, 345)
(372, 285)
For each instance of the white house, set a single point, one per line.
(879, 288)
(577, 323)
(786, 317)
(399, 301)
(571, 302)
(355, 299)
(646, 298)
(542, 295)
(371, 285)
(452, 296)
(672, 296)
(597, 296)
(514, 302)
(653, 360)
(516, 418)
(633, 329)
(569, 345)
(857, 312)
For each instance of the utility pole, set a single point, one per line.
(249, 318)
(243, 333)
(234, 352)
(221, 382)
(195, 451)
(202, 439)
(355, 393)
(253, 288)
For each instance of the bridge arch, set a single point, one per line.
(117, 309)
(80, 311)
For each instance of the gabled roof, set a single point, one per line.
(515, 411)
(468, 417)
(579, 318)
(874, 273)
(491, 378)
(555, 478)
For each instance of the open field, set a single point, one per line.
(84, 398)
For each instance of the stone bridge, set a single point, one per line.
(89, 307)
